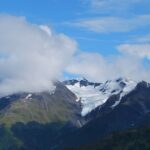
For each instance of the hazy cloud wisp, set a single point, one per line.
(96, 67)
(116, 6)
(112, 24)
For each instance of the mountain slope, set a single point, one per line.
(41, 107)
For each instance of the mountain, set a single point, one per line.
(76, 113)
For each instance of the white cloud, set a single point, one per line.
(31, 57)
(98, 68)
(113, 24)
(113, 3)
(136, 50)
(87, 65)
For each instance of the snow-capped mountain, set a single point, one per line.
(92, 95)
(76, 113)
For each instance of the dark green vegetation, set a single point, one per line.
(133, 139)
(33, 136)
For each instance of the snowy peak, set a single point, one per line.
(120, 85)
(92, 95)
(81, 82)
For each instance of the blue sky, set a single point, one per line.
(62, 15)
(109, 28)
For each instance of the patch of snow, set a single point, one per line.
(148, 85)
(28, 96)
(130, 86)
(116, 103)
(53, 90)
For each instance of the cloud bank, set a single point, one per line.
(31, 56)
(116, 6)
(128, 63)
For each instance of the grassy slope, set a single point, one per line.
(35, 110)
